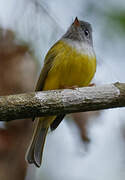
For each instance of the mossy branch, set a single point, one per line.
(66, 101)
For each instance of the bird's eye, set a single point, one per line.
(86, 32)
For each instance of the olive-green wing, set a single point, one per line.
(47, 66)
(40, 84)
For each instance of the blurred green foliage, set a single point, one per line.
(117, 18)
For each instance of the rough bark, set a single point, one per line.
(62, 101)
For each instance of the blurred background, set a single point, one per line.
(86, 146)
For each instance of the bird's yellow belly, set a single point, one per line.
(70, 69)
(78, 72)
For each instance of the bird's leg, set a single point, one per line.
(69, 87)
(92, 84)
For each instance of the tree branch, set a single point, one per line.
(61, 101)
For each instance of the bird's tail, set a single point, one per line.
(35, 150)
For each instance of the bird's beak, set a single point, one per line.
(76, 22)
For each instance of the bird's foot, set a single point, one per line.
(92, 84)
(70, 87)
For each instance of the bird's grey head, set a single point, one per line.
(79, 31)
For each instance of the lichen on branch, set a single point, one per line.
(46, 103)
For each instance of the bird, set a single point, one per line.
(70, 62)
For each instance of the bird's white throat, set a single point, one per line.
(81, 47)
